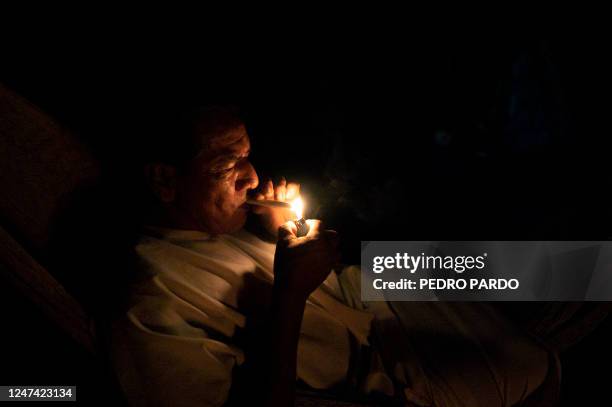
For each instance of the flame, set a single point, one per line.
(297, 206)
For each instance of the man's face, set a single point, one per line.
(214, 188)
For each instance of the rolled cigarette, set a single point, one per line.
(270, 203)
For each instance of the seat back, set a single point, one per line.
(41, 165)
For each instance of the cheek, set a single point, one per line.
(224, 195)
(217, 204)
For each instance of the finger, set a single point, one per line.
(314, 227)
(293, 190)
(332, 237)
(280, 192)
(269, 190)
(287, 231)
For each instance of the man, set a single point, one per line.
(207, 279)
(218, 315)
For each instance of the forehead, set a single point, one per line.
(232, 140)
(228, 145)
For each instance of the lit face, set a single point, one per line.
(213, 190)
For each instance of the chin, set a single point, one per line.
(223, 222)
(237, 222)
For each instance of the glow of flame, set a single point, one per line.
(297, 206)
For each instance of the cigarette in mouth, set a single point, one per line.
(270, 203)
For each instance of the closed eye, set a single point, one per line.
(226, 164)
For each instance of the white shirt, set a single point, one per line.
(179, 340)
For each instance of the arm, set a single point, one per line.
(300, 266)
(285, 321)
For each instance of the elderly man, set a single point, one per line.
(219, 316)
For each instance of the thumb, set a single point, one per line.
(287, 231)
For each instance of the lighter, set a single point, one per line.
(297, 206)
(302, 227)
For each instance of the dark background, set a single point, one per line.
(459, 137)
(395, 136)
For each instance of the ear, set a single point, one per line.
(161, 178)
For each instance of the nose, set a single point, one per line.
(248, 178)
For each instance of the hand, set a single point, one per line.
(273, 218)
(301, 264)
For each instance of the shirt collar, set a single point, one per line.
(176, 234)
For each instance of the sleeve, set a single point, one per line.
(161, 360)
